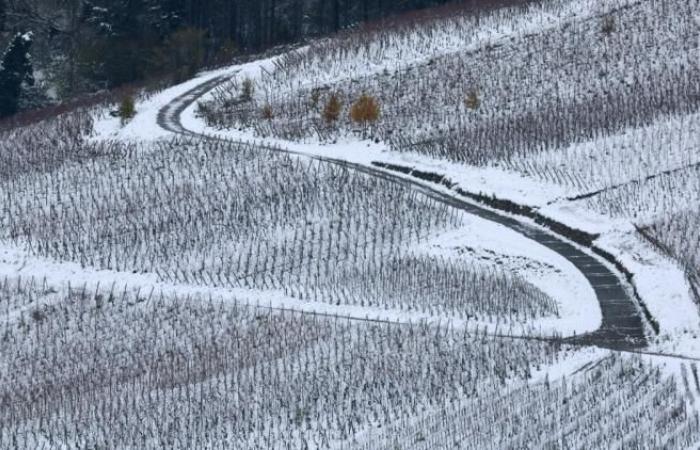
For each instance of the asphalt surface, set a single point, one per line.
(622, 327)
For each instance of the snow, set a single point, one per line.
(491, 243)
(144, 126)
(612, 160)
(658, 279)
(16, 263)
(573, 363)
(660, 282)
(544, 268)
(409, 49)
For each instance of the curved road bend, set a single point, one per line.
(622, 326)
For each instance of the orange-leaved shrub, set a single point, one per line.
(332, 109)
(365, 110)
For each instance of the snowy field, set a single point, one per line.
(122, 369)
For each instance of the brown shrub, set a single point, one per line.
(365, 110)
(472, 100)
(127, 108)
(332, 109)
(267, 112)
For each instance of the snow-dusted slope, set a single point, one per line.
(626, 159)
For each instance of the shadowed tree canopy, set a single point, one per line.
(3, 15)
(15, 70)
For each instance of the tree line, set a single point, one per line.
(86, 45)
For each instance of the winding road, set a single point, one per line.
(623, 326)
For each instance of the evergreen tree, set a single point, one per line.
(16, 69)
(165, 16)
(117, 18)
(120, 51)
(3, 15)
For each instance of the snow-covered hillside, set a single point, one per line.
(238, 267)
(584, 110)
